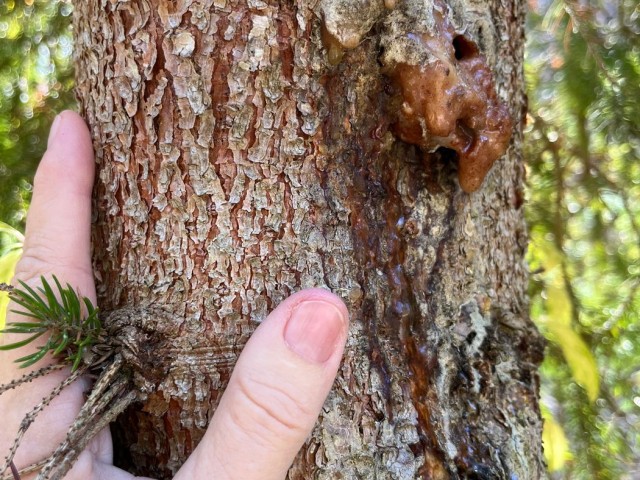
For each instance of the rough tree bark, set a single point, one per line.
(248, 149)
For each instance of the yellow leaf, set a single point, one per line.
(558, 303)
(559, 306)
(545, 251)
(7, 229)
(555, 443)
(578, 356)
(7, 267)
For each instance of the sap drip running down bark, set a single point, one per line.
(444, 92)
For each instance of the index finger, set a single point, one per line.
(56, 243)
(57, 239)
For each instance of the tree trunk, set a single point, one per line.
(247, 150)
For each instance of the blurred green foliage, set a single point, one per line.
(36, 81)
(582, 148)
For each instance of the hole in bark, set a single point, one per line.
(481, 472)
(380, 54)
(447, 154)
(466, 134)
(464, 48)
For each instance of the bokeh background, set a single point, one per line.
(583, 204)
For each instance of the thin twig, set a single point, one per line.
(60, 462)
(34, 467)
(14, 471)
(103, 392)
(30, 376)
(31, 416)
(103, 382)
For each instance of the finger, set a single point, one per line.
(275, 393)
(58, 223)
(56, 242)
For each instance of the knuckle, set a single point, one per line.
(269, 411)
(35, 262)
(40, 258)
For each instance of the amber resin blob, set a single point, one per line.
(448, 99)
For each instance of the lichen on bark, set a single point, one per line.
(237, 165)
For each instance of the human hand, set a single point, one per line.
(278, 385)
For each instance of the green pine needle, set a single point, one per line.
(71, 321)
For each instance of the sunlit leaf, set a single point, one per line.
(7, 267)
(559, 307)
(555, 443)
(579, 358)
(545, 251)
(8, 264)
(7, 229)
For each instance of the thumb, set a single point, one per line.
(275, 393)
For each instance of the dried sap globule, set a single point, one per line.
(450, 101)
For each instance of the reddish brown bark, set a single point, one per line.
(238, 164)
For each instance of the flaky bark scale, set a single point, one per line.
(237, 165)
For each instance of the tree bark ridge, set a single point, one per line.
(237, 165)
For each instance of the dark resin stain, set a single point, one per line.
(441, 109)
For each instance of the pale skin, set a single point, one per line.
(278, 385)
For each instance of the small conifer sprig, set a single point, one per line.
(109, 352)
(71, 322)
